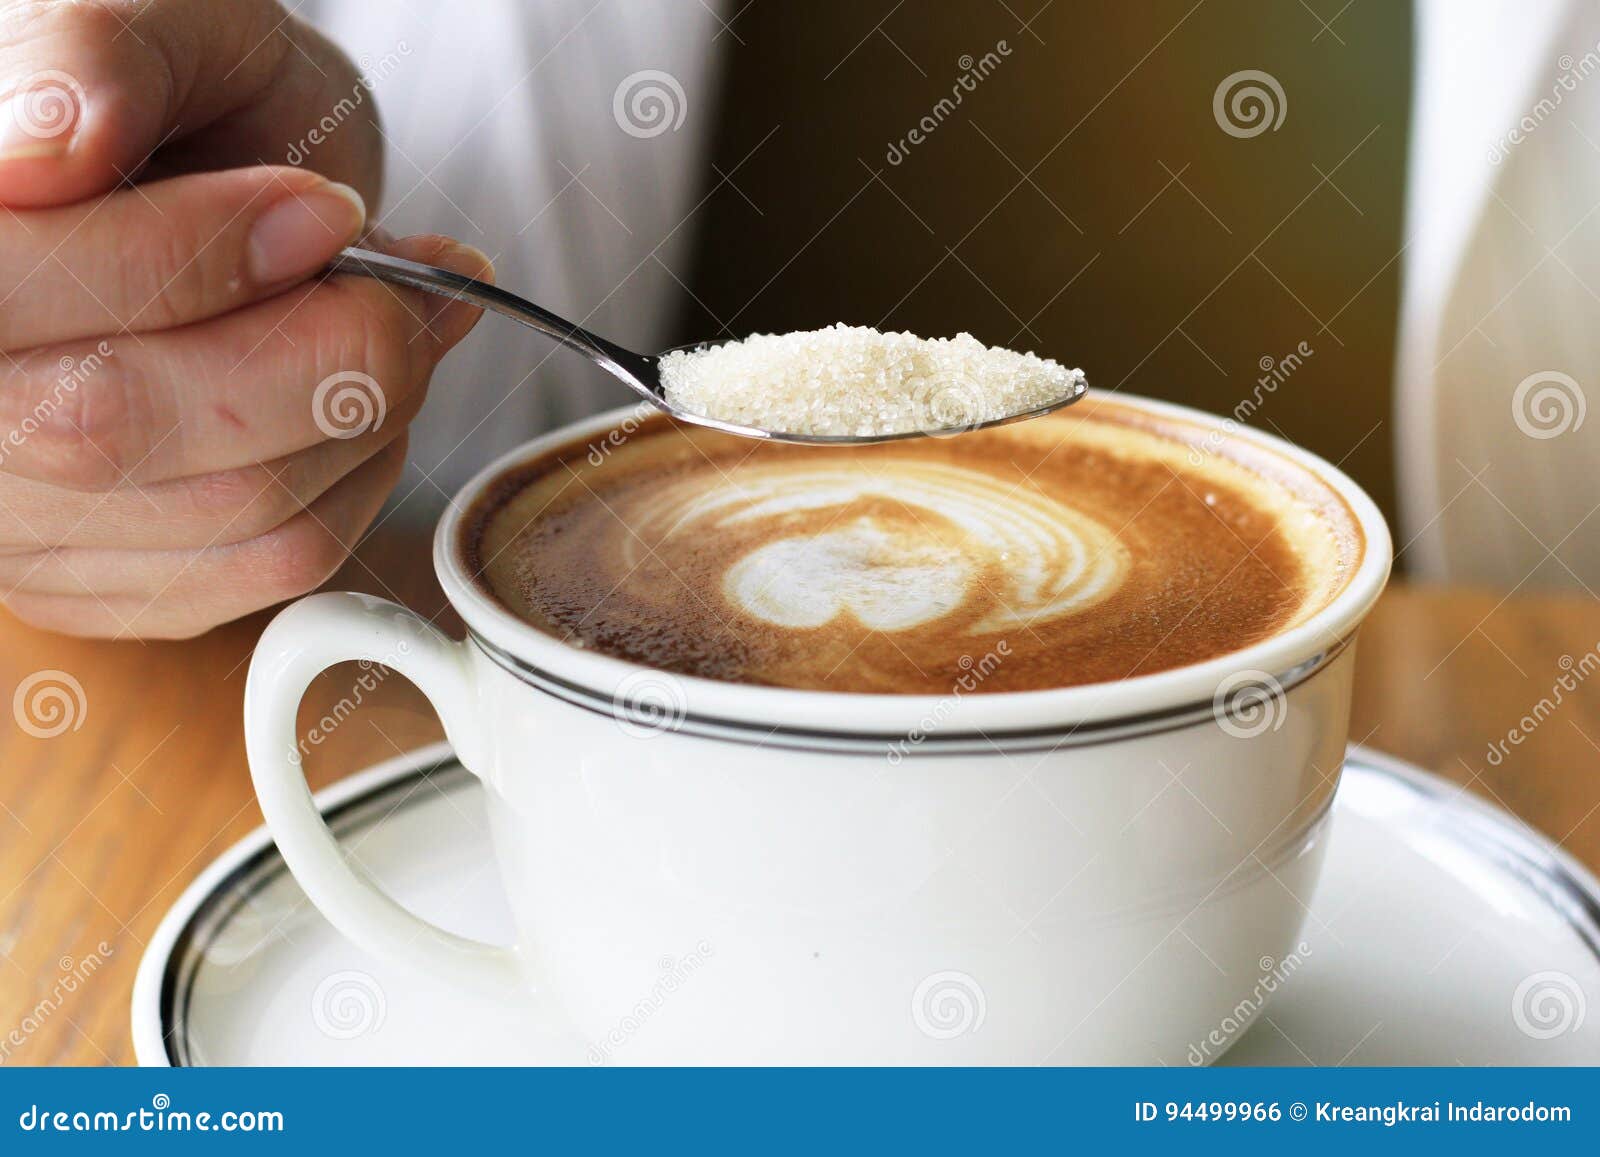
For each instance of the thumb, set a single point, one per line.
(89, 91)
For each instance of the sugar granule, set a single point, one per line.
(856, 381)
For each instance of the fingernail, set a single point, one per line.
(376, 237)
(38, 121)
(299, 233)
(452, 320)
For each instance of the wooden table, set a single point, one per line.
(103, 826)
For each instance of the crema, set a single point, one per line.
(1097, 544)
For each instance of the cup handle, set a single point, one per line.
(300, 643)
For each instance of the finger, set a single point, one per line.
(96, 88)
(178, 594)
(167, 254)
(320, 362)
(320, 114)
(208, 510)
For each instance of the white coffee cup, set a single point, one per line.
(704, 872)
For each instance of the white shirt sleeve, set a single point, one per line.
(1500, 316)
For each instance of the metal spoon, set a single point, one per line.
(640, 372)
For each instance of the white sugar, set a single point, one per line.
(851, 380)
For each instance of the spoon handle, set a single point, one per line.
(432, 279)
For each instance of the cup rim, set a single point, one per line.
(1282, 659)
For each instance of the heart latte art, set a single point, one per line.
(885, 581)
(1093, 545)
(895, 550)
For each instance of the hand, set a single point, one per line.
(192, 426)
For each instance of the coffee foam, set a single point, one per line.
(894, 565)
(1092, 545)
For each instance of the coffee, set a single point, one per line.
(1097, 544)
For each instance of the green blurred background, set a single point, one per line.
(1082, 200)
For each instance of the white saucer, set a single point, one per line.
(1443, 932)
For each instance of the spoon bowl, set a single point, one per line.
(639, 372)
